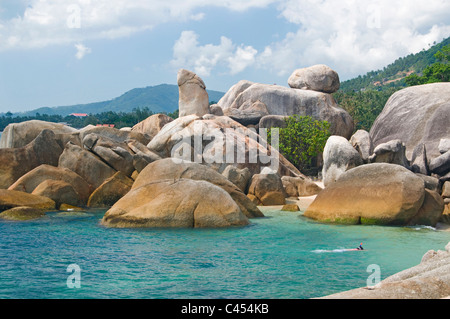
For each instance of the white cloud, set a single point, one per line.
(202, 59)
(82, 50)
(45, 22)
(355, 36)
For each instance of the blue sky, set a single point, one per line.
(55, 52)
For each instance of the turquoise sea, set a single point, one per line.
(280, 256)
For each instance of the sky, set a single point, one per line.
(64, 52)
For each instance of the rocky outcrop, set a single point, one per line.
(270, 121)
(363, 144)
(15, 162)
(17, 135)
(115, 154)
(31, 180)
(444, 145)
(382, 194)
(338, 157)
(431, 211)
(152, 125)
(239, 177)
(193, 98)
(114, 134)
(284, 101)
(248, 114)
(10, 199)
(110, 191)
(415, 115)
(419, 161)
(319, 78)
(300, 186)
(218, 141)
(392, 152)
(59, 191)
(178, 203)
(90, 167)
(268, 189)
(176, 169)
(441, 164)
(428, 280)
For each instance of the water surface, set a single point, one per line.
(280, 256)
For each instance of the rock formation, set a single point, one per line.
(193, 98)
(338, 157)
(319, 78)
(428, 280)
(382, 194)
(175, 203)
(415, 115)
(284, 101)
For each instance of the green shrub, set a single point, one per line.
(302, 140)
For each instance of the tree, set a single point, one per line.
(302, 140)
(437, 72)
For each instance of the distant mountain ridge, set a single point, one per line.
(158, 98)
(392, 76)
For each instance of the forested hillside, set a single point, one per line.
(365, 96)
(392, 76)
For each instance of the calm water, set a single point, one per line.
(276, 257)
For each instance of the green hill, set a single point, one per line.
(392, 76)
(159, 98)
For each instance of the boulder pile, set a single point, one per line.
(309, 93)
(397, 174)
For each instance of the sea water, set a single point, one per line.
(283, 255)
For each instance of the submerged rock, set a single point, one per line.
(22, 213)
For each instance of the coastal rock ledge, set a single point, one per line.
(428, 280)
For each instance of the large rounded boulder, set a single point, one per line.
(319, 78)
(284, 101)
(176, 169)
(384, 194)
(182, 203)
(415, 115)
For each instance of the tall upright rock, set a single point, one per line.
(193, 98)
